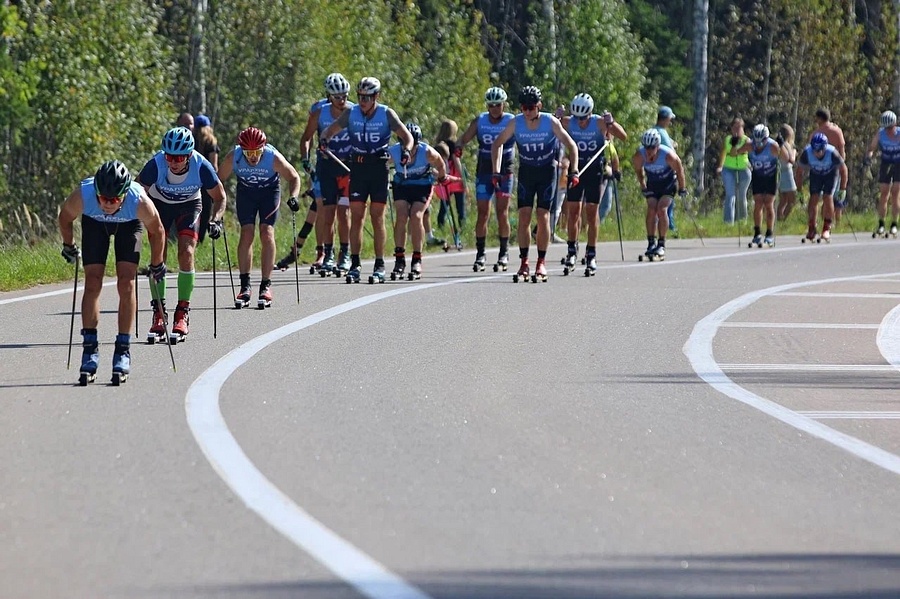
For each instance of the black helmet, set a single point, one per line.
(112, 179)
(529, 95)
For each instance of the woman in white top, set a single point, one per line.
(787, 186)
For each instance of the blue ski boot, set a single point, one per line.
(90, 356)
(353, 275)
(121, 365)
(377, 275)
(328, 263)
(344, 266)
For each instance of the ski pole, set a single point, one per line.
(228, 257)
(618, 217)
(136, 304)
(215, 301)
(296, 253)
(154, 294)
(72, 321)
(687, 209)
(847, 213)
(593, 158)
(337, 160)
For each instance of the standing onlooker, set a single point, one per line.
(734, 166)
(664, 118)
(457, 189)
(186, 120)
(208, 146)
(887, 141)
(835, 137)
(787, 185)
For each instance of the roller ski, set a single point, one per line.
(540, 272)
(502, 263)
(524, 272)
(326, 269)
(591, 267)
(242, 299)
(352, 275)
(182, 319)
(316, 266)
(157, 332)
(810, 234)
(769, 241)
(825, 236)
(478, 265)
(377, 275)
(90, 356)
(415, 270)
(757, 241)
(650, 253)
(121, 364)
(265, 296)
(569, 263)
(893, 230)
(399, 270)
(457, 242)
(286, 262)
(879, 232)
(342, 268)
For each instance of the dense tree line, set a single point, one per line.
(83, 82)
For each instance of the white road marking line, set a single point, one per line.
(889, 296)
(223, 452)
(795, 325)
(888, 337)
(835, 415)
(809, 367)
(699, 351)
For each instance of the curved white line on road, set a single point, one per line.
(888, 337)
(699, 350)
(234, 467)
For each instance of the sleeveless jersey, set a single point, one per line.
(262, 175)
(369, 135)
(418, 172)
(537, 147)
(589, 140)
(177, 192)
(658, 171)
(765, 160)
(339, 144)
(91, 203)
(890, 147)
(487, 132)
(825, 165)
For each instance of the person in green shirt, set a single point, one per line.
(734, 166)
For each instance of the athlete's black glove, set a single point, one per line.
(293, 204)
(306, 166)
(404, 157)
(617, 175)
(70, 253)
(496, 180)
(158, 271)
(215, 230)
(682, 193)
(779, 139)
(867, 161)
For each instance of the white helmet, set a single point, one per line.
(582, 105)
(368, 86)
(888, 119)
(336, 84)
(495, 95)
(760, 133)
(651, 138)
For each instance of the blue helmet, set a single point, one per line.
(818, 142)
(178, 141)
(415, 131)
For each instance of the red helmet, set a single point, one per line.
(251, 138)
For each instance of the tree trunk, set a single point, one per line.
(197, 98)
(897, 65)
(549, 14)
(701, 90)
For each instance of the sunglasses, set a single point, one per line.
(529, 106)
(110, 201)
(365, 97)
(582, 118)
(177, 159)
(252, 153)
(339, 97)
(495, 105)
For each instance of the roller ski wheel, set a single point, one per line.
(879, 232)
(352, 275)
(892, 232)
(478, 265)
(314, 268)
(757, 241)
(540, 272)
(118, 378)
(502, 263)
(397, 275)
(182, 319)
(90, 358)
(242, 299)
(414, 276)
(86, 377)
(157, 332)
(376, 277)
(825, 236)
(265, 298)
(769, 242)
(590, 268)
(524, 273)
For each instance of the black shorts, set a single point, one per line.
(822, 184)
(661, 189)
(764, 184)
(184, 217)
(889, 172)
(95, 240)
(412, 193)
(368, 179)
(536, 181)
(334, 182)
(590, 187)
(253, 202)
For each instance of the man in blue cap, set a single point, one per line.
(664, 118)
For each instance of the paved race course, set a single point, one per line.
(722, 424)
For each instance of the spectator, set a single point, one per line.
(208, 146)
(734, 166)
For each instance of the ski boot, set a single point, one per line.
(159, 319)
(182, 319)
(893, 230)
(457, 242)
(478, 266)
(343, 266)
(810, 234)
(825, 236)
(353, 275)
(327, 266)
(540, 272)
(316, 266)
(90, 356)
(435, 241)
(769, 241)
(265, 294)
(399, 266)
(591, 266)
(648, 253)
(285, 262)
(659, 252)
(121, 365)
(502, 263)
(377, 275)
(757, 241)
(415, 270)
(524, 272)
(242, 299)
(879, 232)
(569, 263)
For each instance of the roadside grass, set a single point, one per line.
(24, 266)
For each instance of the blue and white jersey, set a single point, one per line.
(339, 144)
(539, 146)
(658, 172)
(418, 172)
(889, 146)
(127, 212)
(827, 164)
(589, 139)
(170, 188)
(369, 135)
(487, 132)
(764, 159)
(261, 175)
